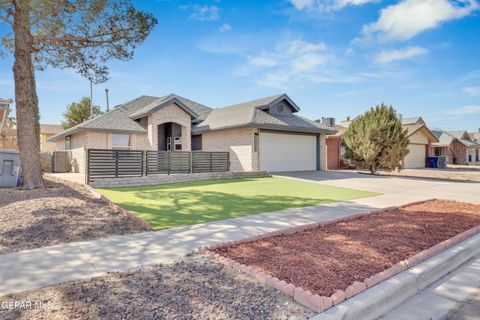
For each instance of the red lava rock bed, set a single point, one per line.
(331, 257)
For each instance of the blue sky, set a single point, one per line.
(333, 57)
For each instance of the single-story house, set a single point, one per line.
(263, 134)
(420, 138)
(458, 146)
(419, 135)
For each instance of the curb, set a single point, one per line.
(118, 209)
(322, 303)
(377, 301)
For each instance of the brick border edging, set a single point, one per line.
(321, 303)
(118, 209)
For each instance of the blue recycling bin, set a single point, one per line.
(433, 162)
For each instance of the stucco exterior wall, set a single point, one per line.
(171, 113)
(418, 138)
(239, 142)
(45, 145)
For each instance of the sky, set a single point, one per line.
(334, 58)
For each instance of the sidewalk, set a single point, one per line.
(442, 298)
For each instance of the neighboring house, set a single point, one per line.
(4, 104)
(458, 146)
(263, 134)
(420, 138)
(8, 137)
(46, 132)
(475, 136)
(419, 135)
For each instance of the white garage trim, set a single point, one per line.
(416, 157)
(288, 152)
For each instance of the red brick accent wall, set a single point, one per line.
(458, 151)
(333, 153)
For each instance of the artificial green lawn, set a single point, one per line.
(173, 205)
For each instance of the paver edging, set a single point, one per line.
(321, 303)
(118, 209)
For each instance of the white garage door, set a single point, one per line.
(287, 152)
(416, 157)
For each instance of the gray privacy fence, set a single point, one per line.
(103, 163)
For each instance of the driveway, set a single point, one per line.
(402, 188)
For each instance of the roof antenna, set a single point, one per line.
(106, 95)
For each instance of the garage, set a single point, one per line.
(287, 152)
(416, 157)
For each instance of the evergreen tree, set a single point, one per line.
(377, 139)
(78, 112)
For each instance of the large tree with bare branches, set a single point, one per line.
(78, 34)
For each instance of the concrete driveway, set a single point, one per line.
(401, 188)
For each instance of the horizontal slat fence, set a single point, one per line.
(102, 163)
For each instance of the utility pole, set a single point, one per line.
(108, 104)
(91, 99)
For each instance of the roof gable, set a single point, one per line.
(161, 103)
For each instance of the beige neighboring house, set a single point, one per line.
(263, 134)
(420, 138)
(46, 132)
(459, 146)
(8, 137)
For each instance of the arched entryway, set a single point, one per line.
(169, 136)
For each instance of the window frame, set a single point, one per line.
(121, 147)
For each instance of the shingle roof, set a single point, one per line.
(116, 119)
(250, 113)
(446, 138)
(197, 110)
(413, 120)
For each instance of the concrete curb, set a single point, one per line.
(322, 303)
(118, 209)
(377, 301)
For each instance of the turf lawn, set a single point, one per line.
(178, 204)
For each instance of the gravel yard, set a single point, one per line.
(63, 212)
(332, 257)
(194, 288)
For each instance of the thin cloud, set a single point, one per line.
(225, 27)
(329, 5)
(474, 90)
(408, 18)
(466, 110)
(387, 56)
(205, 13)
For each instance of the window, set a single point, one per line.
(255, 142)
(121, 141)
(68, 142)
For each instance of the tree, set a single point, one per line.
(376, 139)
(78, 112)
(78, 34)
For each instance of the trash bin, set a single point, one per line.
(9, 168)
(432, 162)
(442, 162)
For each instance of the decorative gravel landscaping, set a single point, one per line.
(62, 212)
(173, 205)
(334, 256)
(195, 288)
